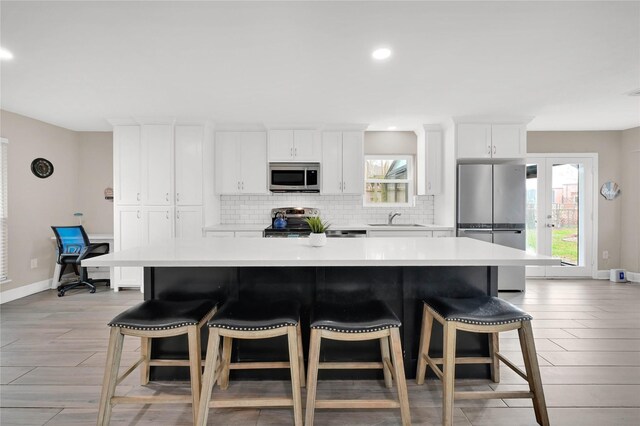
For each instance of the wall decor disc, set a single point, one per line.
(42, 168)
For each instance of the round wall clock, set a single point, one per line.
(42, 168)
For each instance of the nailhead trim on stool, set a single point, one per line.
(284, 324)
(365, 330)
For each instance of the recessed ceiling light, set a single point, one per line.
(5, 54)
(391, 128)
(381, 53)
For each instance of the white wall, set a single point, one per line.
(630, 201)
(95, 173)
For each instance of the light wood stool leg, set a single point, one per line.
(295, 375)
(223, 380)
(494, 348)
(403, 395)
(425, 342)
(528, 346)
(145, 351)
(312, 375)
(111, 370)
(210, 366)
(195, 368)
(301, 357)
(449, 372)
(384, 350)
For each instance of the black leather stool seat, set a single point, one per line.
(363, 317)
(252, 316)
(163, 314)
(484, 310)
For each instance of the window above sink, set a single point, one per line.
(388, 181)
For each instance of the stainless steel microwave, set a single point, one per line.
(294, 177)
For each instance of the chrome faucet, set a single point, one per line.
(391, 216)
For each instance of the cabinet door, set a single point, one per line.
(331, 163)
(352, 163)
(253, 158)
(189, 222)
(281, 145)
(248, 234)
(474, 140)
(219, 234)
(227, 162)
(188, 148)
(158, 224)
(126, 165)
(508, 141)
(157, 165)
(305, 146)
(434, 162)
(393, 234)
(128, 233)
(442, 234)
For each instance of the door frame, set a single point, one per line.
(593, 156)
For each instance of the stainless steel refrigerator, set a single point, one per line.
(491, 207)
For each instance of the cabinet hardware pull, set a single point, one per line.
(138, 196)
(238, 185)
(429, 185)
(291, 152)
(167, 214)
(177, 196)
(243, 186)
(489, 152)
(494, 149)
(295, 151)
(178, 214)
(167, 197)
(138, 214)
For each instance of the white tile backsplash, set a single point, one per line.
(337, 209)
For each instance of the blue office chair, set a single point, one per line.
(73, 247)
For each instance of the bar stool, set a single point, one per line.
(248, 320)
(148, 320)
(357, 322)
(489, 315)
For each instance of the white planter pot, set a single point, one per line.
(317, 240)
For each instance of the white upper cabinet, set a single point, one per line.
(157, 155)
(352, 162)
(474, 140)
(293, 145)
(126, 161)
(342, 162)
(508, 141)
(189, 142)
(434, 160)
(241, 162)
(253, 167)
(503, 141)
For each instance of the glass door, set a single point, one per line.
(559, 214)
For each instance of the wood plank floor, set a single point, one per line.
(52, 355)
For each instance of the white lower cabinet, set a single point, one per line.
(399, 233)
(128, 234)
(158, 224)
(233, 234)
(189, 222)
(442, 234)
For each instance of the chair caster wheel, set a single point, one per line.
(93, 290)
(60, 293)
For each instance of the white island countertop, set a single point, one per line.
(281, 252)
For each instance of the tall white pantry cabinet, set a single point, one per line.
(158, 188)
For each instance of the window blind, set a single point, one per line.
(4, 226)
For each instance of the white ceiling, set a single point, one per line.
(569, 64)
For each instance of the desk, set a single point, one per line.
(94, 238)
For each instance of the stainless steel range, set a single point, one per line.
(295, 225)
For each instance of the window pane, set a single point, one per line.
(532, 208)
(387, 193)
(386, 169)
(565, 213)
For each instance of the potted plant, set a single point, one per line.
(318, 236)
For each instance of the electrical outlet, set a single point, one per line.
(34, 263)
(605, 254)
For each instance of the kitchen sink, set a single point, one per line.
(417, 225)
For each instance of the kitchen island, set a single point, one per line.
(400, 271)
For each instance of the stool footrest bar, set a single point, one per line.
(257, 365)
(160, 399)
(349, 365)
(492, 394)
(356, 403)
(251, 402)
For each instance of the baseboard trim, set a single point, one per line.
(24, 291)
(633, 277)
